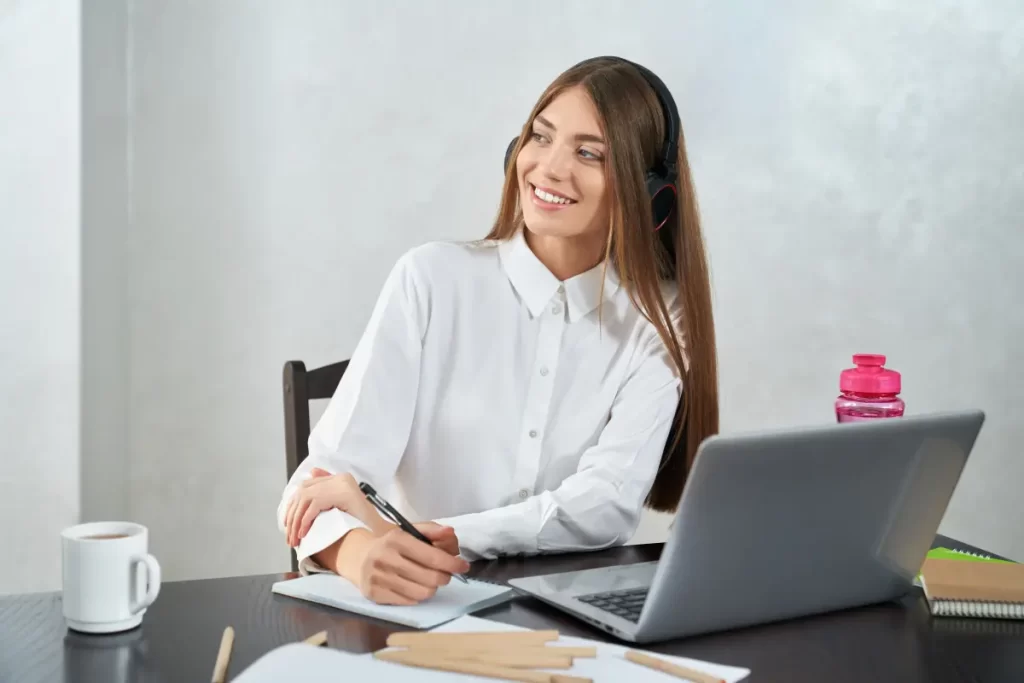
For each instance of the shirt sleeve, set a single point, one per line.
(600, 504)
(366, 426)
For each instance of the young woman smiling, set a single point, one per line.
(531, 392)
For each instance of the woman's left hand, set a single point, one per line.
(323, 491)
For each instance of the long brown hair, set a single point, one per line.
(634, 127)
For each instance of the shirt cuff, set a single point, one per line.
(309, 566)
(492, 533)
(327, 528)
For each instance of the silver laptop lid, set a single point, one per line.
(788, 523)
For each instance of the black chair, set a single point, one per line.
(301, 387)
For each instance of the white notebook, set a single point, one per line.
(450, 602)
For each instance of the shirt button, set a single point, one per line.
(543, 372)
(556, 309)
(533, 433)
(523, 493)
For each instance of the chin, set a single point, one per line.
(551, 228)
(555, 225)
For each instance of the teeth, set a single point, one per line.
(550, 198)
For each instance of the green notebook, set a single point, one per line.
(949, 554)
(983, 587)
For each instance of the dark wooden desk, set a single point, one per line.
(179, 638)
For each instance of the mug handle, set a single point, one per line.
(153, 579)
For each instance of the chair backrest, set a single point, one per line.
(300, 387)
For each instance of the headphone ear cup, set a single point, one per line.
(663, 198)
(508, 151)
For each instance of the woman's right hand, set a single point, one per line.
(394, 568)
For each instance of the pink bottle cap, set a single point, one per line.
(869, 377)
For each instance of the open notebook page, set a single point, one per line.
(450, 602)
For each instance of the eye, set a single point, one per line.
(538, 137)
(590, 156)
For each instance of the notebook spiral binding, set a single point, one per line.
(982, 610)
(967, 553)
(970, 554)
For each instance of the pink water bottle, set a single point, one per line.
(868, 390)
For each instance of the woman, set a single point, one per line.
(524, 393)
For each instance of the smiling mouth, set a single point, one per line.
(550, 197)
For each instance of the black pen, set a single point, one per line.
(386, 509)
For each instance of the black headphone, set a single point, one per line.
(662, 177)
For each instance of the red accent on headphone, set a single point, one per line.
(674, 195)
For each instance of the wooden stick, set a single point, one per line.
(559, 650)
(424, 660)
(220, 668)
(535, 658)
(317, 639)
(450, 640)
(668, 667)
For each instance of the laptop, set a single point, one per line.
(783, 524)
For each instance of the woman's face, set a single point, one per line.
(561, 170)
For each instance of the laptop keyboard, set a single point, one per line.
(622, 603)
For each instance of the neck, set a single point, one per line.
(566, 257)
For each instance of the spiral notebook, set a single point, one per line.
(449, 602)
(959, 584)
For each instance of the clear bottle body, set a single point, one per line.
(853, 407)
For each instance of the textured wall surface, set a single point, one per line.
(858, 165)
(106, 228)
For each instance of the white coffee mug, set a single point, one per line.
(109, 576)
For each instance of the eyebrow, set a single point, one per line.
(580, 137)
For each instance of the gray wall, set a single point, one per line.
(107, 205)
(858, 169)
(40, 359)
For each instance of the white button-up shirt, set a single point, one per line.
(487, 395)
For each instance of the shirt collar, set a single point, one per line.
(536, 285)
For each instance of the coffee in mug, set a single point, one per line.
(109, 577)
(99, 537)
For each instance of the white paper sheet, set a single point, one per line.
(301, 662)
(309, 664)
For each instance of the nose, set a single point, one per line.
(556, 163)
